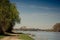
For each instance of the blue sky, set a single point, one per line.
(38, 13)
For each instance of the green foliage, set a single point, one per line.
(14, 13)
(8, 14)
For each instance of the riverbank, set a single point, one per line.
(25, 37)
(16, 37)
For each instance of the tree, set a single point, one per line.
(8, 16)
(56, 27)
(14, 16)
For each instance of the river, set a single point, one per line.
(38, 35)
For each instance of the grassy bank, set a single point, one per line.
(19, 36)
(25, 37)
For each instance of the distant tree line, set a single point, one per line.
(56, 27)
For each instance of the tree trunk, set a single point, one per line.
(10, 28)
(2, 31)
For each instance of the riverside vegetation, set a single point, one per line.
(9, 15)
(15, 37)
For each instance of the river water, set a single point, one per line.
(38, 35)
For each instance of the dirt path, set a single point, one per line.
(10, 38)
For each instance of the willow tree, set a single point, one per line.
(8, 16)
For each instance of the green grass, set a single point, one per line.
(25, 37)
(1, 36)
